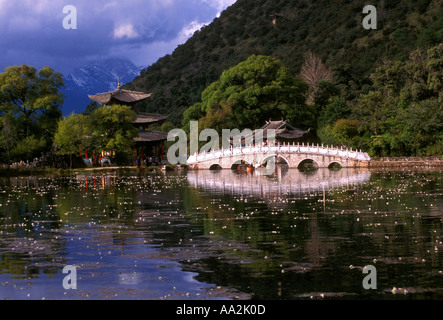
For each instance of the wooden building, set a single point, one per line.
(149, 144)
(284, 132)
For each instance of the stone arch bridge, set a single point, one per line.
(292, 154)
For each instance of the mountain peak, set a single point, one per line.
(96, 77)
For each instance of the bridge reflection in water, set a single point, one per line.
(285, 181)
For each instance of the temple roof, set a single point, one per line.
(119, 95)
(151, 136)
(283, 130)
(148, 118)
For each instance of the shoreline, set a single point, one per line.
(394, 163)
(406, 162)
(16, 172)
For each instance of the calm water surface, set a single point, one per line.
(222, 235)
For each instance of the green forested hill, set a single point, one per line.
(330, 29)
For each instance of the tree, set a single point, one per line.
(326, 91)
(8, 134)
(194, 112)
(167, 126)
(72, 134)
(312, 72)
(343, 132)
(250, 93)
(28, 148)
(337, 109)
(30, 109)
(424, 122)
(403, 114)
(113, 130)
(90, 108)
(30, 92)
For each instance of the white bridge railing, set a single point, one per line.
(279, 149)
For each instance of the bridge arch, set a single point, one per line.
(238, 162)
(215, 166)
(335, 165)
(301, 163)
(265, 159)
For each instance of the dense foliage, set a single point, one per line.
(29, 111)
(247, 95)
(332, 30)
(31, 122)
(401, 114)
(113, 131)
(72, 134)
(317, 67)
(108, 128)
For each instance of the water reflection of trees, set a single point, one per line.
(29, 228)
(267, 224)
(380, 217)
(272, 236)
(38, 213)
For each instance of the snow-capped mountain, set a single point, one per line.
(97, 77)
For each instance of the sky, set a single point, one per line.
(65, 34)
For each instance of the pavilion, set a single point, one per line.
(148, 143)
(284, 132)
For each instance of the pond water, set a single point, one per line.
(223, 235)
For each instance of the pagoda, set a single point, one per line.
(284, 132)
(149, 146)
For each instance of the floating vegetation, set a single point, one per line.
(195, 236)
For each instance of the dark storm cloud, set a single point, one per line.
(141, 30)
